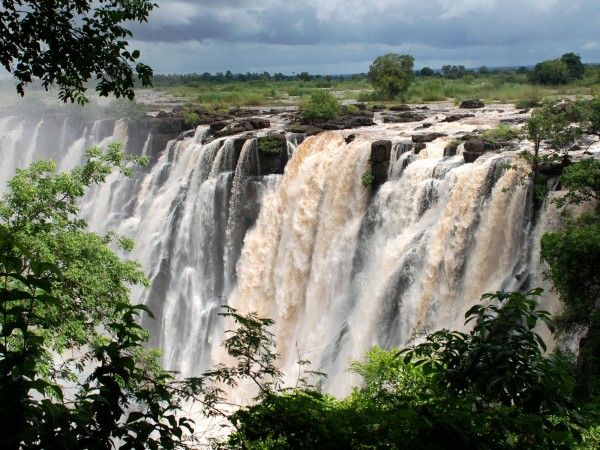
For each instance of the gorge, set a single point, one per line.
(297, 236)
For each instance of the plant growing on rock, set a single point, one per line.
(191, 118)
(502, 132)
(367, 179)
(271, 144)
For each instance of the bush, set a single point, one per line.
(270, 144)
(367, 179)
(490, 388)
(555, 71)
(322, 106)
(191, 118)
(501, 132)
(352, 109)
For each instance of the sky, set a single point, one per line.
(345, 36)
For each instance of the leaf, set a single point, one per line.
(143, 308)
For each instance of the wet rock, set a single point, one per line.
(419, 146)
(477, 146)
(186, 134)
(170, 125)
(381, 151)
(451, 148)
(472, 104)
(380, 173)
(271, 163)
(425, 125)
(400, 108)
(421, 138)
(218, 125)
(259, 123)
(457, 117)
(403, 117)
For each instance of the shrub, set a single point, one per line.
(367, 179)
(555, 71)
(270, 144)
(352, 109)
(501, 132)
(322, 106)
(191, 118)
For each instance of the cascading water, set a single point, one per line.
(338, 270)
(339, 274)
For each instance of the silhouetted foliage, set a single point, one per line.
(69, 42)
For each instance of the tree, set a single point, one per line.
(574, 65)
(304, 76)
(453, 72)
(573, 255)
(490, 388)
(68, 42)
(63, 288)
(558, 124)
(392, 74)
(554, 71)
(426, 72)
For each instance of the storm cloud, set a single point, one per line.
(344, 36)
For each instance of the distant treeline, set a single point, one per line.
(561, 70)
(229, 77)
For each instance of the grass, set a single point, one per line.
(494, 88)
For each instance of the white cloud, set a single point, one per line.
(173, 13)
(316, 35)
(595, 45)
(452, 9)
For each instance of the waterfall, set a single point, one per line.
(338, 268)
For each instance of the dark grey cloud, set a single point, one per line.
(237, 34)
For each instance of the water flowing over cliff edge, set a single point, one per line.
(338, 265)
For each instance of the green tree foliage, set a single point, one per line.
(73, 369)
(490, 388)
(562, 70)
(454, 72)
(68, 42)
(573, 254)
(558, 125)
(392, 74)
(574, 65)
(554, 71)
(583, 183)
(573, 257)
(426, 72)
(191, 118)
(321, 106)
